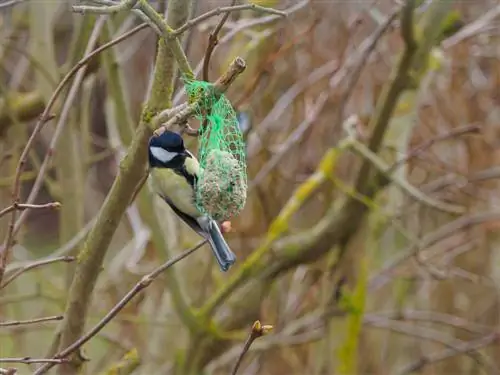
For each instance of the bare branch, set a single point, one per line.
(462, 348)
(142, 284)
(14, 225)
(258, 330)
(35, 265)
(13, 323)
(24, 206)
(411, 190)
(124, 5)
(38, 182)
(226, 10)
(441, 233)
(29, 360)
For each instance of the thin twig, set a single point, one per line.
(213, 40)
(461, 130)
(58, 91)
(139, 187)
(142, 284)
(411, 190)
(226, 11)
(41, 174)
(44, 117)
(9, 239)
(10, 3)
(258, 330)
(25, 206)
(240, 26)
(29, 360)
(13, 323)
(36, 264)
(59, 252)
(464, 222)
(462, 348)
(236, 68)
(110, 9)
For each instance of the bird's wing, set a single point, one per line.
(193, 224)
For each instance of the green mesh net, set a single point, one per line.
(221, 188)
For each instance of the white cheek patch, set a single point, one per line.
(163, 155)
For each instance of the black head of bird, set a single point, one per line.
(166, 150)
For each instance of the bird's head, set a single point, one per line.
(166, 150)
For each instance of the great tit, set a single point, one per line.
(174, 172)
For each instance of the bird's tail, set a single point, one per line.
(225, 257)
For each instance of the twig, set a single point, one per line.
(172, 42)
(422, 333)
(357, 62)
(213, 40)
(240, 26)
(41, 174)
(226, 10)
(59, 252)
(142, 284)
(110, 9)
(236, 68)
(472, 28)
(292, 140)
(25, 206)
(258, 330)
(461, 348)
(383, 276)
(9, 239)
(29, 360)
(14, 225)
(36, 264)
(461, 130)
(12, 323)
(139, 187)
(56, 94)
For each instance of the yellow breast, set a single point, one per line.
(169, 184)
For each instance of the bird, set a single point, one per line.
(174, 171)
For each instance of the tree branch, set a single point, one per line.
(15, 323)
(19, 272)
(258, 330)
(124, 5)
(25, 206)
(141, 285)
(226, 11)
(14, 225)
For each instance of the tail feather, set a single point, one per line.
(223, 254)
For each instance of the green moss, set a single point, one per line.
(147, 115)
